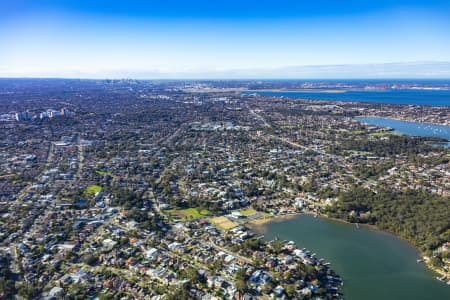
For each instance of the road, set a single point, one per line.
(48, 163)
(80, 159)
(259, 117)
(282, 139)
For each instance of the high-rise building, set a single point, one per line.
(65, 112)
(24, 116)
(53, 113)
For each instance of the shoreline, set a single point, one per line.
(355, 101)
(397, 119)
(258, 224)
(324, 91)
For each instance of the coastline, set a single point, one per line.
(397, 119)
(332, 91)
(354, 101)
(259, 225)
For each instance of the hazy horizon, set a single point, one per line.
(419, 70)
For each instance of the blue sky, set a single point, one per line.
(176, 38)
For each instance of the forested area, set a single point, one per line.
(422, 218)
(394, 145)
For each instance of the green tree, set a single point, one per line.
(28, 291)
(241, 281)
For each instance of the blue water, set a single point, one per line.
(373, 264)
(411, 128)
(416, 97)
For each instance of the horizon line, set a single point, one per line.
(222, 79)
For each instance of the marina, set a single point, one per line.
(410, 128)
(366, 259)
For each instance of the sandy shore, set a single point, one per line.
(263, 221)
(397, 119)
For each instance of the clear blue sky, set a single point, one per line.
(88, 38)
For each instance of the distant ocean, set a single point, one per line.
(414, 97)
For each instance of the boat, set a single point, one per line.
(420, 260)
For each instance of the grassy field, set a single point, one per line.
(387, 133)
(248, 211)
(357, 132)
(92, 190)
(102, 173)
(265, 215)
(223, 223)
(188, 213)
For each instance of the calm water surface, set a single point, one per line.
(416, 97)
(411, 128)
(373, 264)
